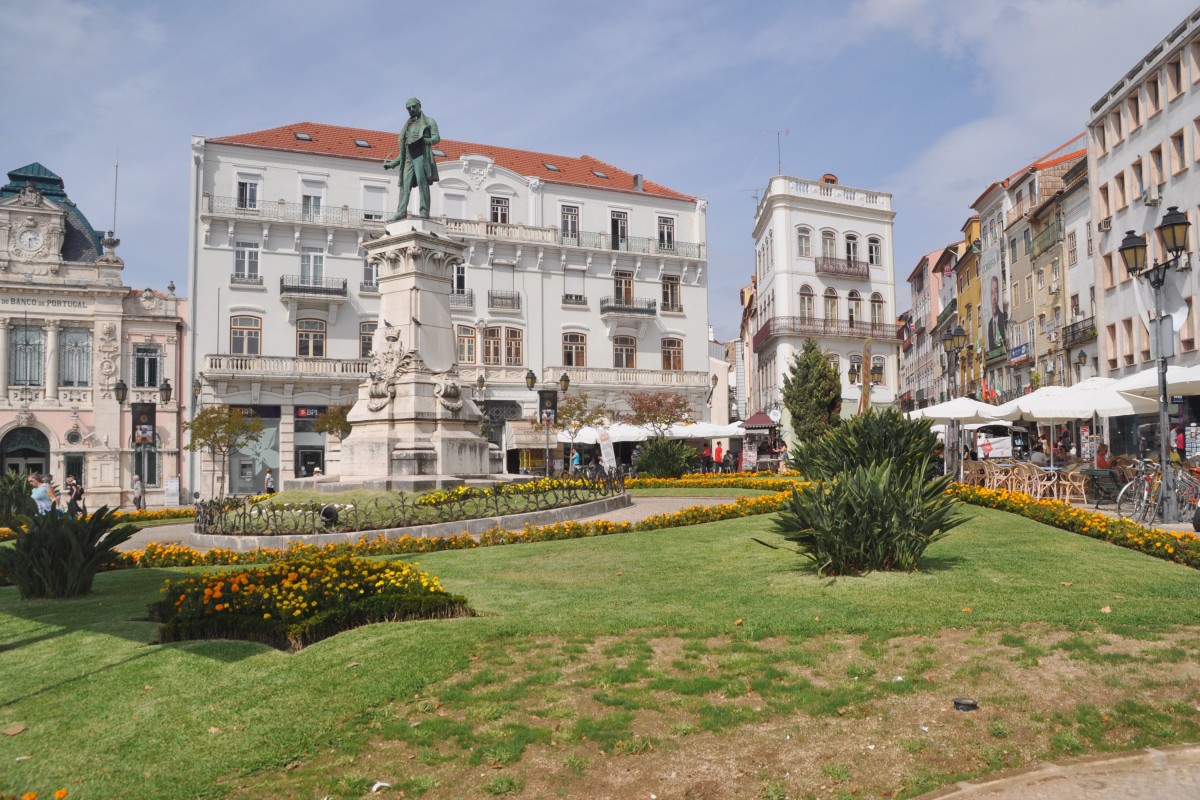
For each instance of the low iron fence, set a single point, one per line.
(268, 517)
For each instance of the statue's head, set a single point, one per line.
(414, 107)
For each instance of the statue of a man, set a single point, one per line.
(415, 160)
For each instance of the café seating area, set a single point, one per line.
(1058, 482)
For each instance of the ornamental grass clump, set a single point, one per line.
(665, 458)
(296, 601)
(880, 436)
(874, 517)
(58, 555)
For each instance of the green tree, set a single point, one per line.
(576, 411)
(812, 393)
(333, 421)
(659, 410)
(220, 430)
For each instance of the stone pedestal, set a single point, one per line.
(414, 424)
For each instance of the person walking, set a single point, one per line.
(139, 493)
(706, 460)
(75, 505)
(719, 458)
(43, 493)
(576, 461)
(269, 482)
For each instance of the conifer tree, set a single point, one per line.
(812, 393)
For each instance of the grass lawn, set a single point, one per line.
(600, 667)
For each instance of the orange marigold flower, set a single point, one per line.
(60, 794)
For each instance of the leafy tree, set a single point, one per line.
(812, 393)
(576, 411)
(658, 411)
(220, 430)
(333, 421)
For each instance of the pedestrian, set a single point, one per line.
(1180, 441)
(719, 458)
(75, 505)
(43, 493)
(576, 461)
(706, 460)
(269, 482)
(317, 472)
(139, 493)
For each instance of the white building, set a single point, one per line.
(73, 340)
(1143, 142)
(824, 271)
(572, 266)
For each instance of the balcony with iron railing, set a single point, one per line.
(463, 299)
(812, 326)
(574, 300)
(1079, 332)
(1049, 236)
(314, 287)
(672, 308)
(241, 279)
(628, 306)
(226, 367)
(826, 265)
(282, 211)
(504, 301)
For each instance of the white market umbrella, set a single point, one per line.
(705, 430)
(618, 432)
(1094, 397)
(960, 409)
(1016, 409)
(1180, 380)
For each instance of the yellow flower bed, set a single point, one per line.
(299, 599)
(1180, 546)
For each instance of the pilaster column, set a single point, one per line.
(4, 359)
(51, 361)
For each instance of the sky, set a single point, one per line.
(930, 100)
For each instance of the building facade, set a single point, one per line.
(73, 340)
(573, 266)
(920, 374)
(824, 271)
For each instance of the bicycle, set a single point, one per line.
(1139, 495)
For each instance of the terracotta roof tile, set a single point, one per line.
(335, 140)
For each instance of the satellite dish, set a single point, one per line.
(775, 415)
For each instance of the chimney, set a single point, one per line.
(637, 183)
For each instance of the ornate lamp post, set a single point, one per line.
(164, 392)
(120, 391)
(952, 342)
(1173, 232)
(546, 416)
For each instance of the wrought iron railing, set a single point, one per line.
(1077, 332)
(463, 299)
(811, 326)
(826, 265)
(628, 305)
(230, 517)
(301, 284)
(504, 300)
(368, 286)
(574, 300)
(246, 280)
(674, 308)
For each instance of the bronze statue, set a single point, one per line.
(415, 159)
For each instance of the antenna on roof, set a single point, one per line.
(778, 148)
(754, 194)
(116, 175)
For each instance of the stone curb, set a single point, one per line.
(1069, 773)
(474, 527)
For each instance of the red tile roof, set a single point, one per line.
(1055, 156)
(334, 140)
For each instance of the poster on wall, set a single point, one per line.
(171, 492)
(143, 422)
(750, 457)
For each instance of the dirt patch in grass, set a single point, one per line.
(642, 716)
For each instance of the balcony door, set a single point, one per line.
(619, 230)
(623, 288)
(312, 266)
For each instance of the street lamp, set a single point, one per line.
(545, 397)
(1173, 231)
(120, 391)
(952, 342)
(164, 392)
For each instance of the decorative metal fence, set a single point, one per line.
(268, 517)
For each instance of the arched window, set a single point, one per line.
(856, 366)
(574, 350)
(366, 335)
(828, 244)
(466, 344)
(514, 347)
(835, 361)
(491, 346)
(808, 303)
(831, 304)
(854, 307)
(245, 336)
(851, 247)
(803, 242)
(624, 352)
(875, 251)
(672, 354)
(877, 309)
(310, 338)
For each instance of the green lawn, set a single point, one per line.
(108, 716)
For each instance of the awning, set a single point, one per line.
(759, 420)
(521, 435)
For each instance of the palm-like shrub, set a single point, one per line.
(665, 458)
(58, 555)
(15, 500)
(876, 437)
(879, 516)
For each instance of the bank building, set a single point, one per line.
(88, 365)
